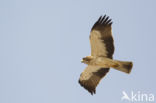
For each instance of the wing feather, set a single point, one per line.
(101, 40)
(102, 44)
(91, 77)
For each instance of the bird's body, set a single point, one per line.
(107, 63)
(101, 58)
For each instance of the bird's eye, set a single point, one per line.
(84, 59)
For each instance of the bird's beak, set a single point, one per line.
(82, 61)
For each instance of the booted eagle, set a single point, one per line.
(101, 59)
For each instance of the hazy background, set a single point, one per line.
(43, 41)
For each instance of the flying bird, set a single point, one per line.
(101, 59)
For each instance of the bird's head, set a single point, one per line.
(86, 59)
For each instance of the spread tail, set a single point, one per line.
(124, 66)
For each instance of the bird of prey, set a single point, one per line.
(101, 58)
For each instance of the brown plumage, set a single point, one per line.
(101, 59)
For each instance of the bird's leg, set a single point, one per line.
(113, 64)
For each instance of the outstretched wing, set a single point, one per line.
(101, 39)
(91, 77)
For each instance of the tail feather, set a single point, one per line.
(124, 66)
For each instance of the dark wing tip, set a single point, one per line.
(102, 21)
(90, 89)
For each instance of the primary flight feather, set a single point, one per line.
(101, 59)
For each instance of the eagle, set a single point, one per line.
(101, 59)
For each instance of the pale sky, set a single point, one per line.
(42, 43)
